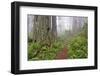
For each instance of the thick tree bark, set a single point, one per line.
(42, 29)
(54, 27)
(45, 29)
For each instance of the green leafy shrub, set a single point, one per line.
(37, 51)
(33, 49)
(78, 48)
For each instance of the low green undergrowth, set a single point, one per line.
(39, 51)
(78, 45)
(77, 48)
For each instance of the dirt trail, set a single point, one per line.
(62, 54)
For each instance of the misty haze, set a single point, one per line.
(57, 37)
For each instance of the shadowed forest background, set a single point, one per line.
(57, 37)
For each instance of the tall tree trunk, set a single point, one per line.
(42, 29)
(54, 27)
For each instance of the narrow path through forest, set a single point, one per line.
(62, 54)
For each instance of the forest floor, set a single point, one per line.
(62, 54)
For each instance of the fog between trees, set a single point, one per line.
(47, 35)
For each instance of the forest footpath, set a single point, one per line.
(62, 54)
